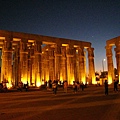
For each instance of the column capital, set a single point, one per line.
(108, 51)
(37, 45)
(58, 49)
(70, 50)
(23, 46)
(117, 50)
(8, 44)
(90, 52)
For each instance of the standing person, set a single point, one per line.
(65, 86)
(82, 86)
(74, 86)
(54, 86)
(115, 85)
(106, 87)
(78, 86)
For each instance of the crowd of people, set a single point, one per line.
(78, 86)
(54, 86)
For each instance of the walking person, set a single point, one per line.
(106, 87)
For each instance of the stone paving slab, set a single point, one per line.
(90, 104)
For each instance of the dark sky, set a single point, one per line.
(94, 21)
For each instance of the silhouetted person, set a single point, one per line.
(82, 86)
(54, 86)
(78, 86)
(26, 86)
(106, 87)
(65, 86)
(50, 83)
(115, 86)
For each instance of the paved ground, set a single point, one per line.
(90, 104)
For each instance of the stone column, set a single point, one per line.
(38, 53)
(57, 61)
(2, 66)
(109, 63)
(91, 66)
(70, 64)
(75, 54)
(16, 65)
(32, 65)
(63, 69)
(7, 61)
(46, 65)
(23, 60)
(51, 64)
(82, 73)
(29, 66)
(117, 51)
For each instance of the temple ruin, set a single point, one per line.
(36, 59)
(109, 44)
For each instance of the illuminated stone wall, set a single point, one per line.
(37, 58)
(109, 44)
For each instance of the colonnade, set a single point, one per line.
(109, 53)
(35, 59)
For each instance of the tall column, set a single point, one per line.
(32, 65)
(77, 66)
(46, 65)
(23, 60)
(117, 50)
(63, 69)
(16, 66)
(7, 61)
(70, 64)
(29, 66)
(2, 65)
(91, 65)
(82, 73)
(75, 54)
(38, 68)
(57, 61)
(51, 64)
(109, 63)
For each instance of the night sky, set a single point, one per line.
(94, 21)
